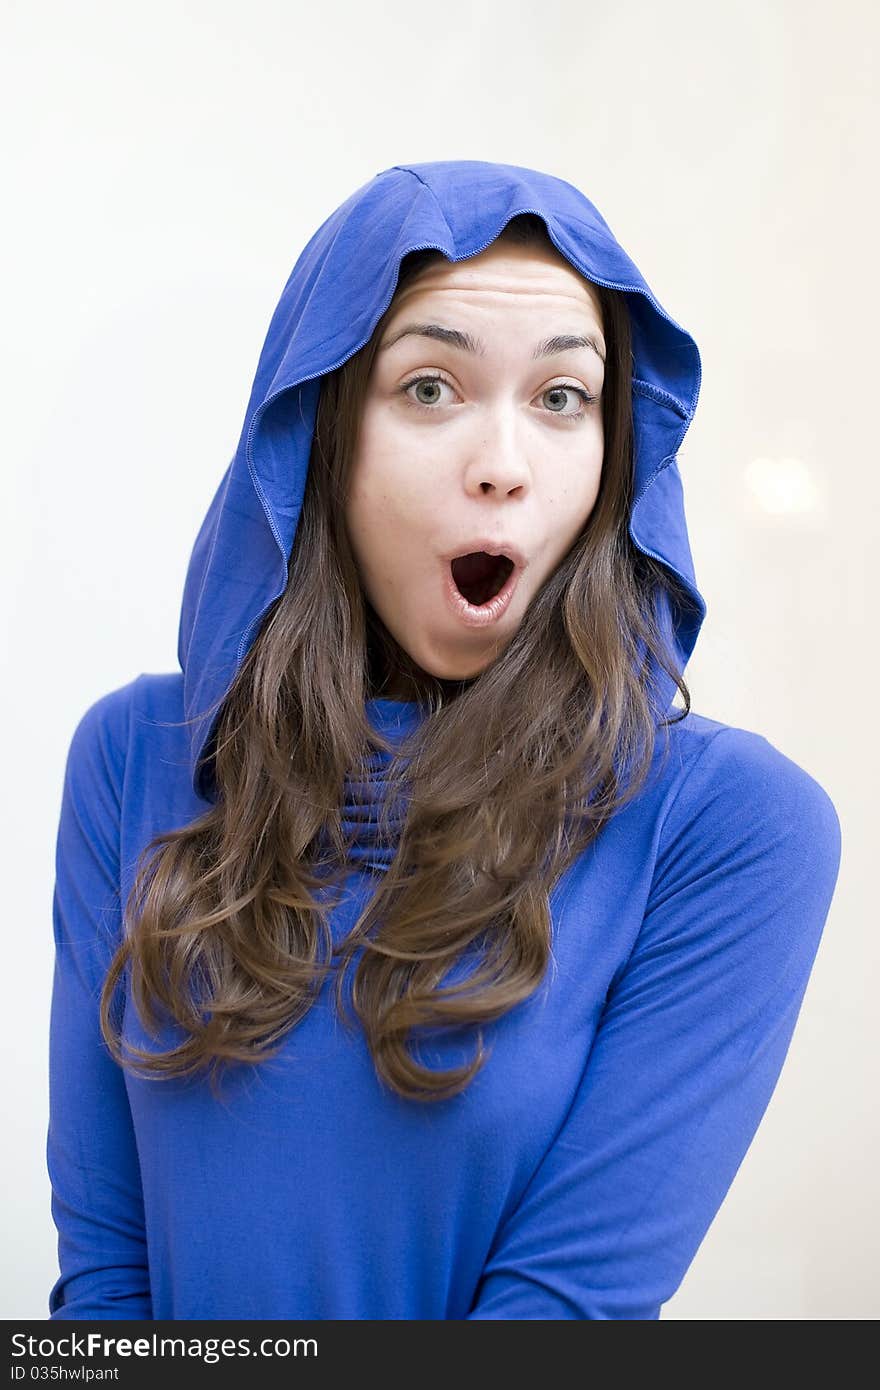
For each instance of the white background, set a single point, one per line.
(163, 167)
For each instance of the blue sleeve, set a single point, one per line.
(97, 1204)
(693, 1035)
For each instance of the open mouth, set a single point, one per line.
(479, 577)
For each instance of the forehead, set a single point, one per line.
(505, 277)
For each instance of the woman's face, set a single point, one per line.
(502, 449)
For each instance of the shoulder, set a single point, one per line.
(104, 731)
(734, 765)
(735, 793)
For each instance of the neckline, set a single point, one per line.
(392, 704)
(387, 713)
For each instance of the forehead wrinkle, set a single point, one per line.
(466, 342)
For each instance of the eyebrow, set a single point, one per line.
(465, 342)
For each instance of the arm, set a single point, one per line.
(97, 1204)
(690, 1045)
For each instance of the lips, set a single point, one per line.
(482, 566)
(479, 576)
(479, 615)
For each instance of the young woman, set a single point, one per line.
(416, 956)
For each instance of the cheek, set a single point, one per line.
(577, 478)
(571, 503)
(388, 511)
(390, 473)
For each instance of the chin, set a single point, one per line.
(455, 671)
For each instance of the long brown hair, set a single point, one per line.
(507, 779)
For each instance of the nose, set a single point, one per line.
(498, 461)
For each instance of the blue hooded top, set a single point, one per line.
(577, 1174)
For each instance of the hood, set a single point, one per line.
(339, 288)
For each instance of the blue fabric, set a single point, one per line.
(578, 1173)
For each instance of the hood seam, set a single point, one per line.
(656, 393)
(404, 169)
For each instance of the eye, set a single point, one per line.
(435, 381)
(586, 398)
